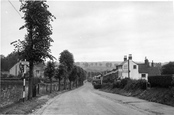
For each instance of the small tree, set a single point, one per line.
(168, 68)
(59, 73)
(73, 75)
(49, 72)
(66, 59)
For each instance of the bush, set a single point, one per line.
(136, 84)
(124, 82)
(117, 84)
(161, 81)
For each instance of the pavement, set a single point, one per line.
(88, 101)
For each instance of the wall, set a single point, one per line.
(12, 90)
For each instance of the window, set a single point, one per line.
(143, 75)
(135, 67)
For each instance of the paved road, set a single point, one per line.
(88, 101)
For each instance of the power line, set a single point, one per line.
(15, 9)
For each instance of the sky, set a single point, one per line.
(101, 30)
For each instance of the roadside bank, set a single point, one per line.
(30, 105)
(155, 94)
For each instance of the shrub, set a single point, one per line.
(117, 84)
(161, 81)
(136, 84)
(124, 82)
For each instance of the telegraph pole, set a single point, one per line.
(128, 69)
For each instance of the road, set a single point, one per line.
(88, 101)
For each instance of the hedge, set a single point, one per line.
(161, 80)
(130, 84)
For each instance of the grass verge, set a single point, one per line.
(155, 94)
(30, 105)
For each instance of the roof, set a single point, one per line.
(153, 71)
(142, 68)
(112, 72)
(122, 63)
(125, 62)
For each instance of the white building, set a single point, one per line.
(130, 69)
(15, 70)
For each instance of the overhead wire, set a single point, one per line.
(15, 8)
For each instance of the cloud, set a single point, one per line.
(107, 30)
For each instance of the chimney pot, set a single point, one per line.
(125, 58)
(130, 56)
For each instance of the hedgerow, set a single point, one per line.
(161, 80)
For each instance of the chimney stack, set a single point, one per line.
(125, 58)
(130, 56)
(146, 61)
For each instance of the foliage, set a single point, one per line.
(67, 59)
(124, 82)
(117, 84)
(130, 84)
(49, 70)
(9, 61)
(161, 81)
(37, 18)
(57, 74)
(136, 84)
(73, 75)
(168, 68)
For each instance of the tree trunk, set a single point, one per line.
(30, 88)
(50, 85)
(64, 83)
(76, 82)
(59, 84)
(70, 85)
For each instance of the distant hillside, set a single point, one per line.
(102, 66)
(97, 66)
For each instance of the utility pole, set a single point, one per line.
(128, 68)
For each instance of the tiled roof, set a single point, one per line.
(153, 71)
(142, 68)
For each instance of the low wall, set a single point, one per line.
(12, 90)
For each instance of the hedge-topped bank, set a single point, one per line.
(161, 81)
(129, 84)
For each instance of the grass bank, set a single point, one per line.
(30, 105)
(155, 94)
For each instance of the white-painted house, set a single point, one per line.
(130, 69)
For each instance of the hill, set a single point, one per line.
(98, 66)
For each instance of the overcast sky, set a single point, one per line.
(101, 30)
